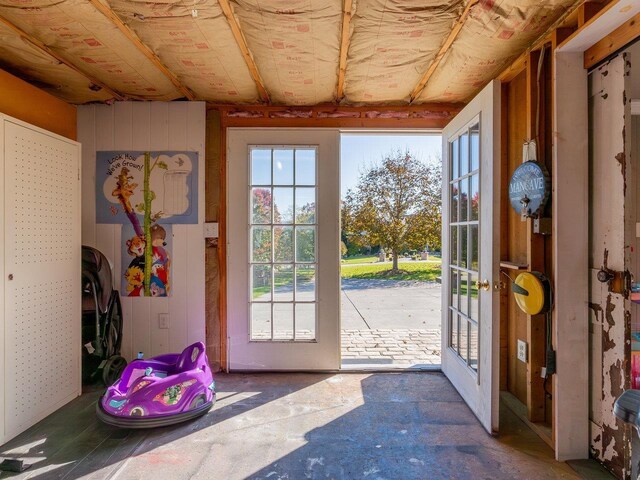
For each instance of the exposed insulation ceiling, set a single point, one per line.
(291, 52)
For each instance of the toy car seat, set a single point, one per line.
(188, 359)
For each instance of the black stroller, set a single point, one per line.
(101, 320)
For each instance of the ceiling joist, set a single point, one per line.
(52, 53)
(144, 49)
(444, 48)
(242, 44)
(345, 40)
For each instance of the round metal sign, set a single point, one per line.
(529, 189)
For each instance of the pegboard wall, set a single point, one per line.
(41, 278)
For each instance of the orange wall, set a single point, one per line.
(30, 104)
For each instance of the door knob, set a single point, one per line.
(486, 285)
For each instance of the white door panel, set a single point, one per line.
(471, 213)
(283, 249)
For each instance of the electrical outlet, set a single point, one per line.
(163, 320)
(522, 351)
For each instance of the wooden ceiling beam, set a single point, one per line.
(624, 34)
(246, 53)
(144, 49)
(52, 53)
(345, 41)
(444, 48)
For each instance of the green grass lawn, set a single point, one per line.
(360, 259)
(424, 271)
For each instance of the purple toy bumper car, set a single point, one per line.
(160, 391)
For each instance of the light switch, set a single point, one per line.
(211, 230)
(163, 320)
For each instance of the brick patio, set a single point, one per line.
(397, 347)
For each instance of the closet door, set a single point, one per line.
(42, 249)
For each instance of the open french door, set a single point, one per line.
(283, 243)
(470, 257)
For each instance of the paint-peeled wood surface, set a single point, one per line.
(610, 205)
(296, 426)
(283, 51)
(149, 126)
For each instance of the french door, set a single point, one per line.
(283, 290)
(470, 260)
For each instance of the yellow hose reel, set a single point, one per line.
(532, 291)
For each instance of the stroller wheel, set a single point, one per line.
(113, 369)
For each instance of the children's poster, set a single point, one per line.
(133, 185)
(146, 271)
(146, 192)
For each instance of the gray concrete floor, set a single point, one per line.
(295, 426)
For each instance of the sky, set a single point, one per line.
(357, 151)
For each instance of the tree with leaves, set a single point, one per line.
(396, 205)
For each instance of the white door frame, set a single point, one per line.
(480, 390)
(324, 353)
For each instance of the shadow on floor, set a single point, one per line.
(295, 426)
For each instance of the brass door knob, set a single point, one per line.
(486, 285)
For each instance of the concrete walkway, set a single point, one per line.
(390, 323)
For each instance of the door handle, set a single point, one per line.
(486, 285)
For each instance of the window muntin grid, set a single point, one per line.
(283, 243)
(464, 245)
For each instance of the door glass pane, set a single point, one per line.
(454, 245)
(463, 335)
(455, 165)
(282, 238)
(474, 247)
(261, 244)
(463, 246)
(464, 154)
(305, 167)
(305, 244)
(474, 197)
(261, 166)
(473, 346)
(283, 244)
(261, 205)
(261, 283)
(473, 298)
(464, 199)
(283, 167)
(455, 294)
(305, 321)
(283, 321)
(261, 321)
(474, 132)
(283, 283)
(464, 292)
(455, 195)
(283, 205)
(453, 340)
(305, 283)
(305, 205)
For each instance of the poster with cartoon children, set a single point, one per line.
(134, 265)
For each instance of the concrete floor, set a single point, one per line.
(296, 426)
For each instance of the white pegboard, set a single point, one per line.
(41, 274)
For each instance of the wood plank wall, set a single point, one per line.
(520, 245)
(150, 126)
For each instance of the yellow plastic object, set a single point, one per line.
(537, 300)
